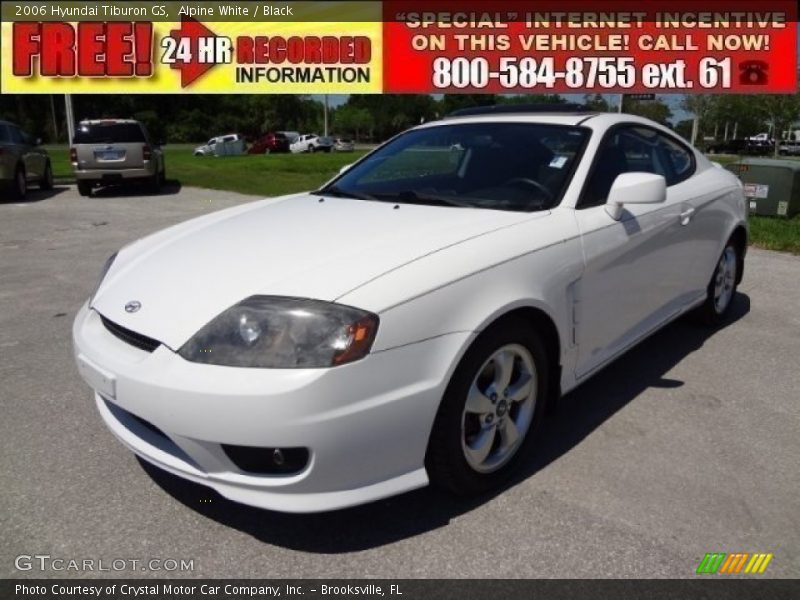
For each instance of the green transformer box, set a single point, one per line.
(771, 186)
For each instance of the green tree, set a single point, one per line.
(352, 120)
(655, 110)
(780, 110)
(596, 103)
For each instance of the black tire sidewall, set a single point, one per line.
(84, 188)
(47, 178)
(20, 191)
(444, 460)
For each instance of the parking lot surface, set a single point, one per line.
(688, 444)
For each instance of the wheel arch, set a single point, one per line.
(739, 237)
(543, 322)
(544, 325)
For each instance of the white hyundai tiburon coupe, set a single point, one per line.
(409, 321)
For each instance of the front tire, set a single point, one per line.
(722, 287)
(493, 404)
(20, 185)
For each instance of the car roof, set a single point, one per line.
(592, 120)
(111, 120)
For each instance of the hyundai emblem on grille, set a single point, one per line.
(133, 306)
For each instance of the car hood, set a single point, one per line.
(300, 246)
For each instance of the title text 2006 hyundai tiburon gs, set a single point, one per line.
(409, 321)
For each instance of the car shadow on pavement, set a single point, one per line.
(34, 195)
(168, 188)
(383, 522)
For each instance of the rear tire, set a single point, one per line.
(47, 179)
(155, 183)
(722, 288)
(84, 188)
(493, 404)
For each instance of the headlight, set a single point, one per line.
(103, 273)
(283, 333)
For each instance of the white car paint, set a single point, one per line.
(436, 276)
(310, 142)
(230, 144)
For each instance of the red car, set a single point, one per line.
(270, 142)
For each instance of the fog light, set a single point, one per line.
(268, 461)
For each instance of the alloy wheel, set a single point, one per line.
(499, 408)
(724, 280)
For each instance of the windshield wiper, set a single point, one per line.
(338, 192)
(414, 197)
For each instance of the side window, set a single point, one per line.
(635, 149)
(679, 161)
(17, 137)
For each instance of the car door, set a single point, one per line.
(30, 158)
(632, 278)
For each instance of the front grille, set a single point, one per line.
(131, 337)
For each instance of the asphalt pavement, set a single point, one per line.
(688, 444)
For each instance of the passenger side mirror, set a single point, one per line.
(635, 188)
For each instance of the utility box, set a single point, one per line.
(771, 186)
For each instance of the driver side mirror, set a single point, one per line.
(635, 188)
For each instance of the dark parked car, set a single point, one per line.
(22, 162)
(742, 146)
(270, 142)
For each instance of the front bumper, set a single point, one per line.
(366, 424)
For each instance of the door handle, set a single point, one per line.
(687, 215)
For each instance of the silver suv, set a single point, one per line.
(115, 151)
(22, 162)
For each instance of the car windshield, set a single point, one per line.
(104, 133)
(503, 166)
